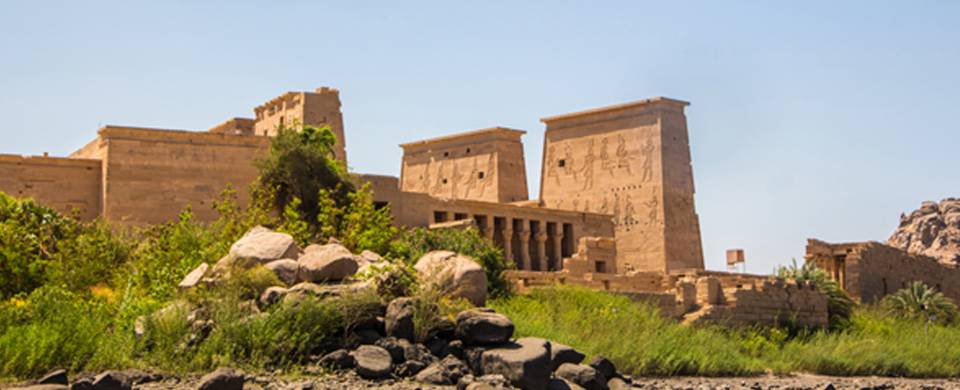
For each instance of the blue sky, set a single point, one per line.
(809, 119)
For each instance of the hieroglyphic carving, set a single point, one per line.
(587, 169)
(648, 150)
(552, 161)
(438, 184)
(623, 156)
(653, 216)
(568, 162)
(606, 163)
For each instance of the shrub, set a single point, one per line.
(414, 243)
(299, 165)
(839, 304)
(920, 302)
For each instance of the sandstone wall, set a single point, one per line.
(770, 303)
(318, 108)
(64, 184)
(631, 161)
(151, 175)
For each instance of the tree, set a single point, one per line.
(299, 165)
(839, 304)
(920, 302)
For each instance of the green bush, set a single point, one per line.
(412, 244)
(920, 302)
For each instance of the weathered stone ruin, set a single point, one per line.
(615, 210)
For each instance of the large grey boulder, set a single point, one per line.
(331, 262)
(222, 379)
(444, 372)
(287, 270)
(340, 359)
(604, 366)
(457, 274)
(260, 246)
(561, 353)
(399, 319)
(525, 363)
(476, 327)
(194, 277)
(372, 362)
(583, 375)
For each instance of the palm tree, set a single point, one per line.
(919, 301)
(839, 304)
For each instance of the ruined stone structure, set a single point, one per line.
(615, 211)
(632, 161)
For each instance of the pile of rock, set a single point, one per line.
(932, 230)
(475, 352)
(325, 270)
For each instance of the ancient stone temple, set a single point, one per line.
(615, 210)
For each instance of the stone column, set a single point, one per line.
(541, 238)
(558, 250)
(524, 248)
(488, 231)
(508, 239)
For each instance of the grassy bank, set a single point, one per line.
(641, 342)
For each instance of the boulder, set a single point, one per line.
(604, 366)
(287, 270)
(111, 380)
(409, 368)
(340, 359)
(525, 363)
(932, 230)
(399, 319)
(454, 348)
(560, 353)
(618, 384)
(372, 362)
(484, 382)
(444, 372)
(460, 275)
(222, 379)
(331, 262)
(55, 377)
(194, 277)
(395, 346)
(562, 384)
(82, 384)
(260, 246)
(475, 327)
(271, 295)
(583, 375)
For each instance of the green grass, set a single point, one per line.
(641, 342)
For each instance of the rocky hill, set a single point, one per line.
(932, 230)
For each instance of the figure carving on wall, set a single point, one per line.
(605, 206)
(623, 158)
(587, 169)
(454, 180)
(628, 211)
(652, 206)
(616, 209)
(438, 184)
(470, 180)
(605, 162)
(425, 183)
(568, 162)
(552, 162)
(648, 150)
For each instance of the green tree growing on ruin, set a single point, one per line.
(839, 304)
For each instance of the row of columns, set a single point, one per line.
(516, 242)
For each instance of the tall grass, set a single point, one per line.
(641, 342)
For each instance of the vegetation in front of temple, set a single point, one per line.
(71, 293)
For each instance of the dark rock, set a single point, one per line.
(399, 319)
(271, 295)
(476, 327)
(561, 353)
(395, 346)
(372, 362)
(222, 379)
(111, 380)
(445, 329)
(418, 352)
(338, 360)
(474, 359)
(409, 368)
(485, 382)
(583, 375)
(82, 384)
(55, 377)
(444, 372)
(367, 336)
(436, 346)
(454, 348)
(604, 366)
(525, 363)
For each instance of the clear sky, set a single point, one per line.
(809, 119)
